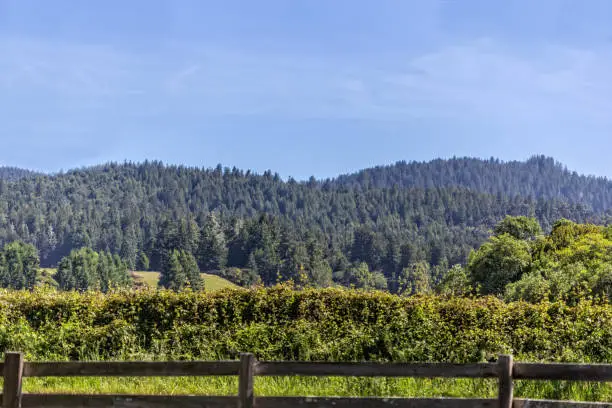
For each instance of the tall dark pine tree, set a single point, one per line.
(143, 263)
(213, 251)
(191, 271)
(172, 275)
(85, 269)
(19, 264)
(181, 272)
(129, 248)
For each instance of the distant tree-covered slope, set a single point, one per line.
(14, 173)
(538, 177)
(311, 229)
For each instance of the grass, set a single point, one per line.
(324, 387)
(211, 282)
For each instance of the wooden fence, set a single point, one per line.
(505, 370)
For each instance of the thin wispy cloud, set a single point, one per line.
(450, 68)
(475, 79)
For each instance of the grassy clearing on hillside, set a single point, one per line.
(211, 282)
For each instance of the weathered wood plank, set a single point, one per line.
(428, 370)
(506, 385)
(296, 402)
(12, 372)
(569, 372)
(132, 369)
(525, 403)
(245, 381)
(126, 401)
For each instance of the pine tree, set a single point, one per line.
(19, 264)
(85, 269)
(415, 279)
(191, 271)
(172, 275)
(129, 248)
(143, 262)
(213, 250)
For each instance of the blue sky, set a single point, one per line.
(304, 87)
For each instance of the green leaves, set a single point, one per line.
(573, 262)
(279, 323)
(498, 262)
(521, 227)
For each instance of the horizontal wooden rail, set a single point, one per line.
(127, 401)
(132, 369)
(336, 402)
(505, 370)
(431, 370)
(568, 372)
(526, 403)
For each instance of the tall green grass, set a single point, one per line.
(324, 387)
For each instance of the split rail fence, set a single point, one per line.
(505, 370)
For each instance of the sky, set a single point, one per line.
(304, 87)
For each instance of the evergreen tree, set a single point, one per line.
(172, 275)
(85, 269)
(191, 271)
(143, 262)
(213, 250)
(415, 279)
(129, 248)
(180, 272)
(19, 264)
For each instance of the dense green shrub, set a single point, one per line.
(281, 323)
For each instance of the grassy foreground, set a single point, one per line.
(328, 386)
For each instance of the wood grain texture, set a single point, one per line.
(297, 402)
(525, 403)
(126, 401)
(132, 369)
(245, 380)
(12, 372)
(569, 372)
(427, 370)
(506, 383)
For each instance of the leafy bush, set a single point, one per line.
(281, 323)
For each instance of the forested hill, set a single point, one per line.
(217, 214)
(538, 177)
(14, 173)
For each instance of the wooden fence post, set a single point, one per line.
(13, 369)
(506, 384)
(245, 380)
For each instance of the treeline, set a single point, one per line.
(260, 220)
(14, 173)
(518, 262)
(539, 177)
(81, 270)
